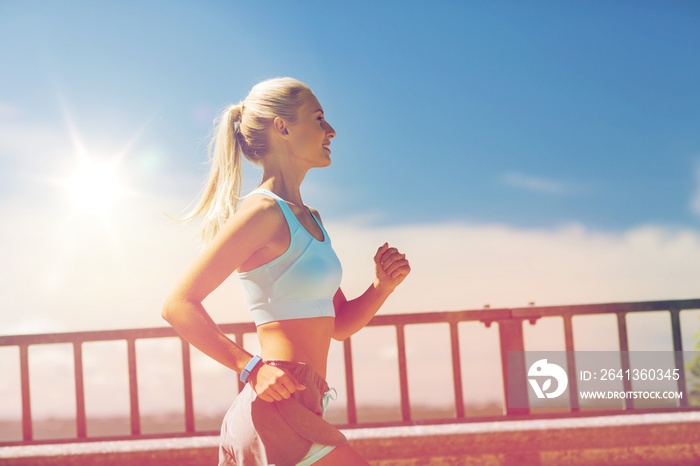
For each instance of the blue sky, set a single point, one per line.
(519, 152)
(511, 132)
(529, 114)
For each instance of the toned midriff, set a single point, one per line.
(300, 340)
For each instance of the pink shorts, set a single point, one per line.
(257, 432)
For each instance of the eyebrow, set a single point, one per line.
(319, 110)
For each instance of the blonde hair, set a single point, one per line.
(242, 128)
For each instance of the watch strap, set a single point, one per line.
(249, 368)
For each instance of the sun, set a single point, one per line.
(96, 182)
(94, 186)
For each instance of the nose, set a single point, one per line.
(330, 132)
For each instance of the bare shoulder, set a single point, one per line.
(257, 215)
(316, 214)
(258, 204)
(254, 226)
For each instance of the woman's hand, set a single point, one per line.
(272, 383)
(391, 267)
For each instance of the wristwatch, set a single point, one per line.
(249, 368)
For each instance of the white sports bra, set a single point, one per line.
(300, 283)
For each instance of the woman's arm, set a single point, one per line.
(391, 267)
(245, 233)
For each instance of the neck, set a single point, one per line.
(284, 181)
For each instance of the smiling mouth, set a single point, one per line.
(326, 146)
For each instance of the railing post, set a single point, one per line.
(133, 388)
(349, 382)
(187, 383)
(26, 404)
(80, 420)
(403, 373)
(678, 353)
(515, 388)
(571, 364)
(624, 356)
(456, 369)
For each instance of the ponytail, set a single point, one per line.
(242, 128)
(220, 196)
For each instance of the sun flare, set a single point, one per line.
(95, 186)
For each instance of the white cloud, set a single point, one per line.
(534, 183)
(69, 276)
(461, 266)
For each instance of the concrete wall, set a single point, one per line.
(649, 439)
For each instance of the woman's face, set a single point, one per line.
(310, 136)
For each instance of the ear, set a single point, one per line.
(280, 127)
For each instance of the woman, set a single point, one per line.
(290, 277)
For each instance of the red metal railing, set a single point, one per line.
(510, 333)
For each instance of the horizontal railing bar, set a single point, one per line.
(82, 337)
(238, 330)
(439, 317)
(386, 319)
(607, 308)
(111, 335)
(531, 312)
